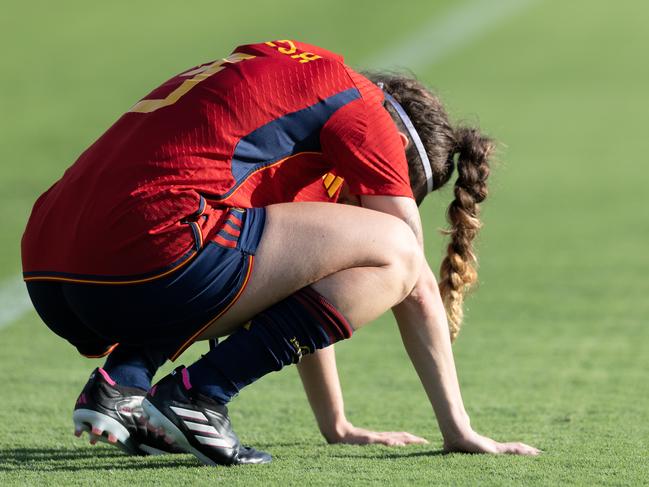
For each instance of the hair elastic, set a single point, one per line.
(423, 157)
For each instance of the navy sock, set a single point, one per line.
(134, 366)
(279, 336)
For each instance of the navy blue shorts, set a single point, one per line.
(167, 313)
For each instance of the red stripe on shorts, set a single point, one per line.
(224, 242)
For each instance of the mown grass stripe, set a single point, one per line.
(14, 300)
(441, 36)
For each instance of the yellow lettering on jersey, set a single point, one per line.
(305, 57)
(291, 50)
(287, 50)
(198, 75)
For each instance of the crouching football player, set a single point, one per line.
(206, 211)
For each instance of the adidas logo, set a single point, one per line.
(204, 433)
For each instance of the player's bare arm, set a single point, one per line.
(425, 333)
(322, 386)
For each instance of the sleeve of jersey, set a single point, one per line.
(363, 143)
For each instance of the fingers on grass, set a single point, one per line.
(521, 449)
(417, 440)
(401, 438)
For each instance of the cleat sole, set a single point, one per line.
(103, 428)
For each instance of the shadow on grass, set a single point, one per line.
(308, 450)
(73, 460)
(391, 455)
(269, 445)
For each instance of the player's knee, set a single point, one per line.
(411, 261)
(405, 256)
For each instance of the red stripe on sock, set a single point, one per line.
(316, 313)
(332, 320)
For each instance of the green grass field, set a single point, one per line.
(555, 346)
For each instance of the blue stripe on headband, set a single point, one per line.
(428, 171)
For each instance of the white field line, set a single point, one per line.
(438, 38)
(442, 35)
(14, 301)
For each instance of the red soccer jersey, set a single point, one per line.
(274, 122)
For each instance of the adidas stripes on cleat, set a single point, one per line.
(113, 414)
(197, 423)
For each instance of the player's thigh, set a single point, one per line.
(305, 242)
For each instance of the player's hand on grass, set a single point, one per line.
(475, 443)
(352, 435)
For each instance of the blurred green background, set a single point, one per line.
(554, 349)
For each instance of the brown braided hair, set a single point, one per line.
(444, 144)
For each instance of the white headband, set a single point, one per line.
(428, 171)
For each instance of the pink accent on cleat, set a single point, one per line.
(186, 383)
(169, 440)
(97, 431)
(106, 376)
(82, 399)
(112, 438)
(152, 390)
